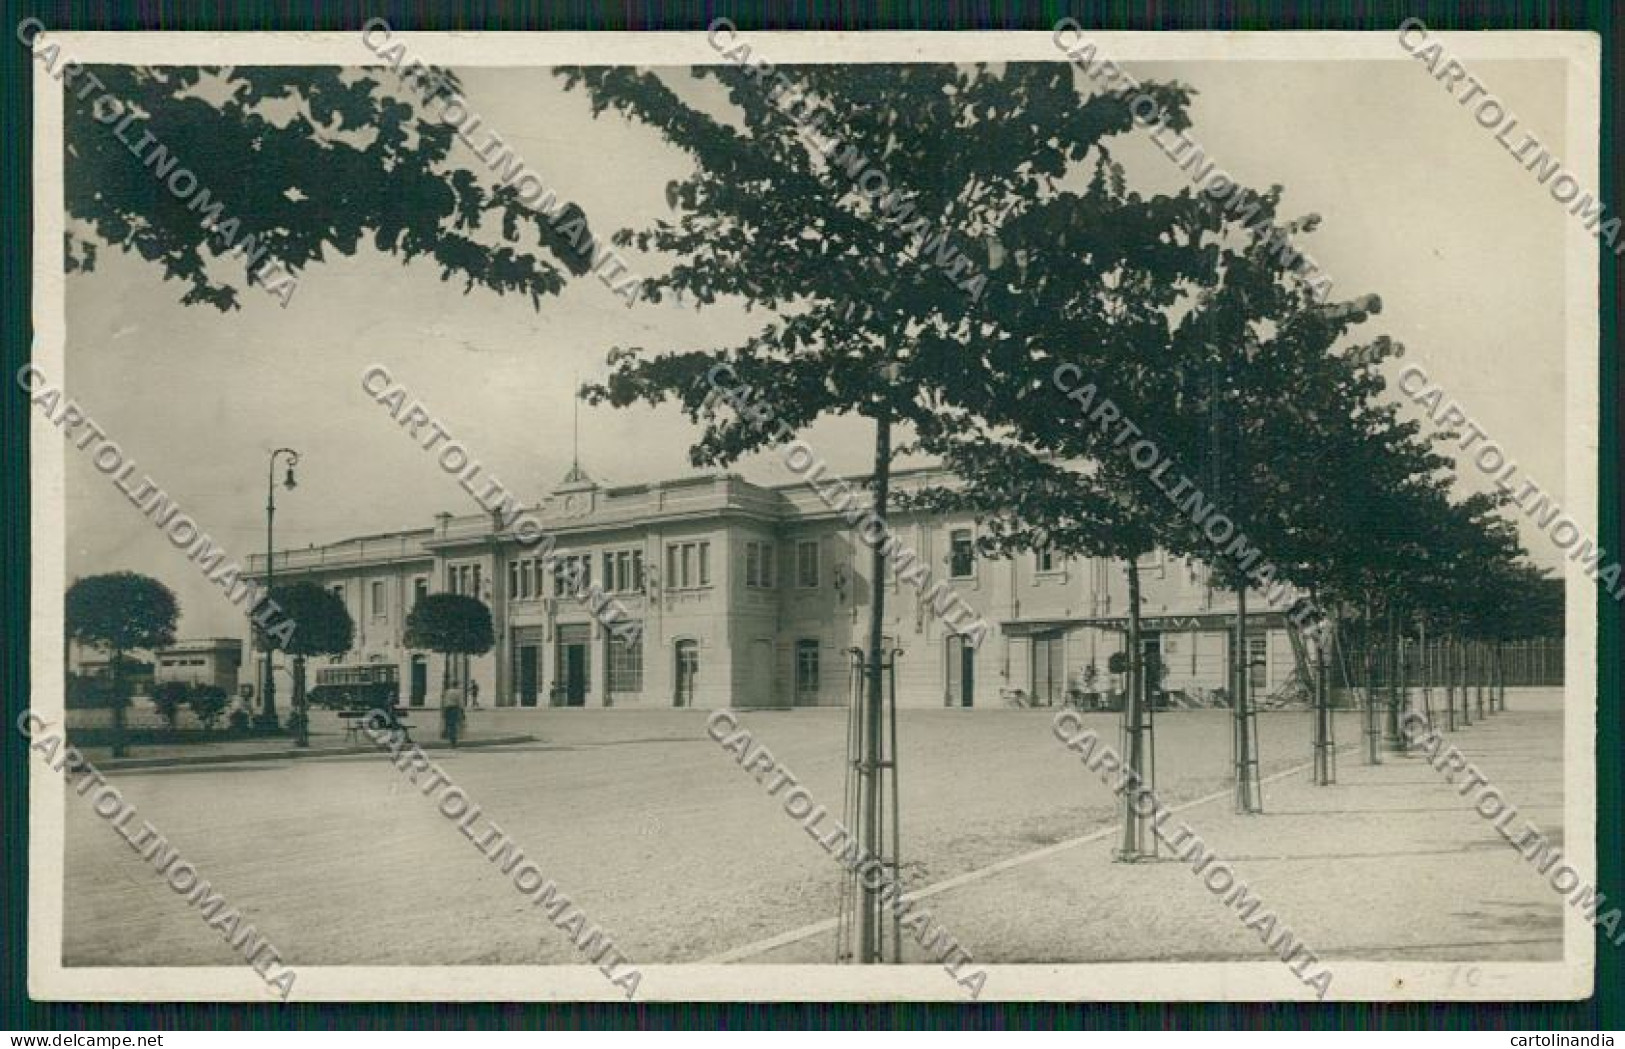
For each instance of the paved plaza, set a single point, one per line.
(659, 837)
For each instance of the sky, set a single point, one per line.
(1419, 205)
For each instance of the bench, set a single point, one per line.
(355, 720)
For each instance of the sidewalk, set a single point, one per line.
(1389, 863)
(232, 750)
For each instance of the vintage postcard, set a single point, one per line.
(720, 515)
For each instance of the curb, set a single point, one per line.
(119, 764)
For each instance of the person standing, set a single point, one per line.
(451, 714)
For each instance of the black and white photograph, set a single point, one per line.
(760, 516)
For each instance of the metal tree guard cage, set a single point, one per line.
(1427, 679)
(1137, 742)
(1325, 726)
(1249, 785)
(851, 919)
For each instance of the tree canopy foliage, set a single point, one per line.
(289, 165)
(121, 611)
(321, 624)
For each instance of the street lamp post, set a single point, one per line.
(268, 718)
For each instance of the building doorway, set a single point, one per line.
(961, 672)
(1152, 666)
(420, 681)
(574, 668)
(529, 674)
(688, 668)
(1048, 669)
(1258, 665)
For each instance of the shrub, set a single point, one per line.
(168, 697)
(88, 692)
(237, 720)
(208, 702)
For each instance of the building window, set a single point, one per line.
(961, 554)
(380, 610)
(807, 564)
(338, 591)
(759, 565)
(623, 572)
(626, 661)
(806, 667)
(464, 579)
(420, 589)
(573, 575)
(1046, 560)
(688, 565)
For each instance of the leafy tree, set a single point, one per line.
(452, 625)
(862, 210)
(291, 164)
(118, 612)
(321, 627)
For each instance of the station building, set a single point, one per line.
(747, 595)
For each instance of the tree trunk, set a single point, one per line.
(1133, 720)
(1247, 800)
(1390, 729)
(1370, 728)
(1322, 743)
(120, 743)
(1447, 667)
(1482, 663)
(1466, 683)
(301, 709)
(870, 924)
(1500, 677)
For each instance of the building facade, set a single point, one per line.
(753, 596)
(204, 661)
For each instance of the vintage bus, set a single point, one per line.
(356, 686)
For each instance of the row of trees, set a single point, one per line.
(123, 612)
(931, 258)
(1234, 391)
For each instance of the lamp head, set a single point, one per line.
(287, 480)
